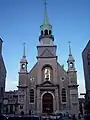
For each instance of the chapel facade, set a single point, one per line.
(47, 87)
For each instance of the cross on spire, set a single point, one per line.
(69, 49)
(45, 14)
(24, 50)
(45, 3)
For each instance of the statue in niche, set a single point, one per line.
(47, 74)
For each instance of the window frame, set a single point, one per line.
(32, 96)
(64, 95)
(43, 72)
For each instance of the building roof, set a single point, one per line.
(86, 47)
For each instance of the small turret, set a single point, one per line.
(71, 61)
(23, 84)
(23, 61)
(73, 87)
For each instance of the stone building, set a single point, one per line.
(86, 66)
(2, 77)
(82, 106)
(10, 102)
(48, 87)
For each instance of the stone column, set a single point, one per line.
(54, 104)
(38, 101)
(14, 109)
(57, 99)
(8, 108)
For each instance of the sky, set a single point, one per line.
(20, 22)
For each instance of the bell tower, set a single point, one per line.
(71, 67)
(23, 84)
(23, 69)
(71, 61)
(46, 37)
(46, 47)
(73, 87)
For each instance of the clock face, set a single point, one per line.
(71, 65)
(23, 66)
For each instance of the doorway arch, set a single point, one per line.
(47, 103)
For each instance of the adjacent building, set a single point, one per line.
(86, 66)
(82, 106)
(10, 102)
(2, 77)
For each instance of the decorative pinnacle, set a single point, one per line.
(45, 13)
(24, 50)
(69, 49)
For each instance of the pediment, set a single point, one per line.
(46, 53)
(46, 84)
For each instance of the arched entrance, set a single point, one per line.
(47, 103)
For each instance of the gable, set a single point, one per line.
(61, 70)
(47, 83)
(46, 53)
(34, 67)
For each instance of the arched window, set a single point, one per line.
(71, 64)
(42, 32)
(63, 95)
(31, 96)
(50, 32)
(46, 32)
(47, 73)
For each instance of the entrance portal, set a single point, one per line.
(47, 103)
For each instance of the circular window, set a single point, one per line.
(62, 78)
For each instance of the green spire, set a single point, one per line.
(45, 13)
(24, 50)
(69, 49)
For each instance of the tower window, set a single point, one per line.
(50, 32)
(31, 96)
(23, 66)
(42, 32)
(46, 32)
(63, 95)
(71, 65)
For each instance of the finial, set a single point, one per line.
(69, 49)
(24, 50)
(45, 14)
